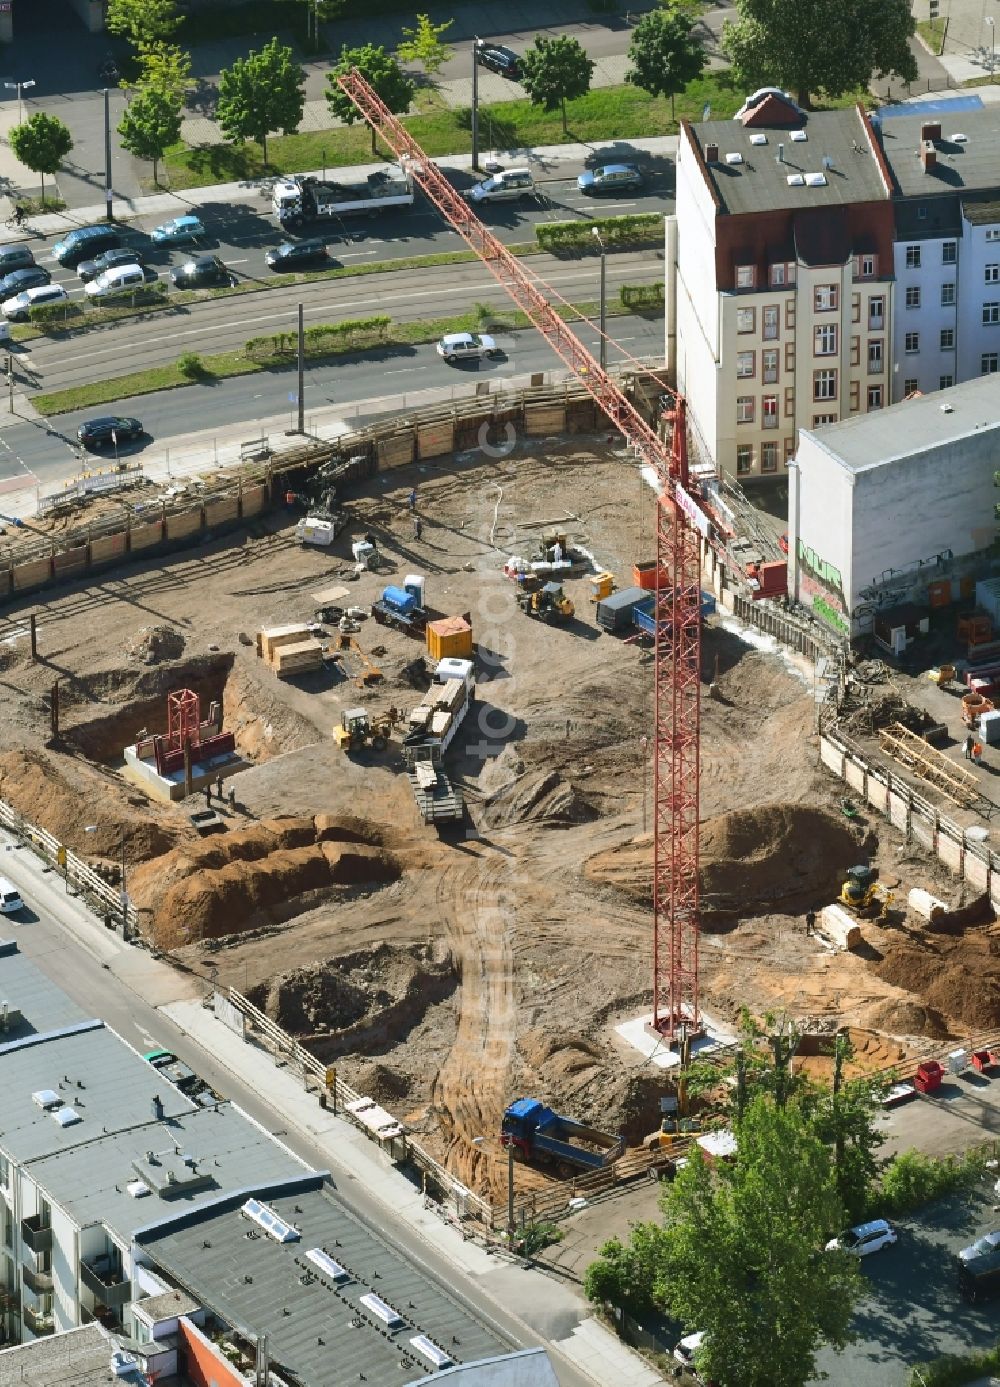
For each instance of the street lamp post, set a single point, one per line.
(20, 88)
(993, 44)
(108, 195)
(604, 298)
(476, 45)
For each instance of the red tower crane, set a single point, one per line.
(677, 643)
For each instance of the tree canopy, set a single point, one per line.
(819, 45)
(665, 52)
(262, 92)
(554, 71)
(151, 124)
(41, 144)
(424, 45)
(143, 21)
(381, 71)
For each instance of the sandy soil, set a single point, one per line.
(447, 977)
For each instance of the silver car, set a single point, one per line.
(467, 346)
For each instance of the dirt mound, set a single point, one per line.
(958, 978)
(561, 1058)
(385, 1085)
(752, 860)
(264, 725)
(152, 643)
(513, 795)
(905, 1018)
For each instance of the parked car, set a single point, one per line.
(290, 255)
(110, 260)
(503, 61)
(18, 309)
(176, 232)
(119, 282)
(864, 1238)
(611, 178)
(202, 271)
(84, 242)
(982, 1247)
(15, 255)
(510, 185)
(467, 346)
(10, 898)
(979, 1278)
(18, 280)
(97, 433)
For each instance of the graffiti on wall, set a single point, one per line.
(824, 583)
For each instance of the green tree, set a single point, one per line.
(554, 71)
(150, 125)
(143, 21)
(164, 67)
(819, 45)
(262, 92)
(742, 1252)
(624, 1274)
(41, 144)
(381, 71)
(423, 45)
(846, 1118)
(665, 52)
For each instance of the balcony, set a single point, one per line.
(38, 1281)
(38, 1322)
(35, 1234)
(108, 1284)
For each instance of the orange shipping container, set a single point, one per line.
(449, 639)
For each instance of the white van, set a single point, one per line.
(508, 186)
(120, 279)
(10, 898)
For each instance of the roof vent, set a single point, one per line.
(946, 408)
(272, 1225)
(123, 1363)
(66, 1117)
(758, 138)
(382, 1309)
(734, 158)
(711, 154)
(827, 161)
(46, 1098)
(798, 136)
(795, 180)
(960, 139)
(816, 180)
(138, 1189)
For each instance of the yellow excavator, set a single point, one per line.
(675, 1124)
(549, 603)
(358, 728)
(864, 895)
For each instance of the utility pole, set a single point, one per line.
(108, 194)
(124, 891)
(604, 299)
(302, 370)
(10, 382)
(510, 1197)
(475, 102)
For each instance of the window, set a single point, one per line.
(790, 357)
(824, 385)
(825, 340)
(745, 364)
(945, 382)
(947, 339)
(867, 266)
(949, 252)
(947, 294)
(855, 395)
(875, 356)
(789, 449)
(874, 397)
(769, 412)
(910, 385)
(744, 409)
(993, 274)
(769, 365)
(745, 276)
(789, 401)
(744, 459)
(988, 364)
(855, 350)
(769, 457)
(876, 314)
(770, 322)
(825, 298)
(912, 342)
(778, 276)
(991, 312)
(820, 419)
(913, 257)
(921, 213)
(913, 296)
(745, 319)
(993, 233)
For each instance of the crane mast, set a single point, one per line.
(677, 638)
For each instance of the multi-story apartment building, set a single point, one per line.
(947, 254)
(780, 278)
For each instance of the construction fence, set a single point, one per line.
(914, 816)
(185, 514)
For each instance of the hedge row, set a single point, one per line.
(642, 295)
(321, 339)
(615, 231)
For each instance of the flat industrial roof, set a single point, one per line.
(25, 989)
(318, 1328)
(79, 1358)
(968, 165)
(760, 184)
(915, 426)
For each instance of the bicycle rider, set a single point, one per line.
(20, 215)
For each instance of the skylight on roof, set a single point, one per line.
(758, 138)
(273, 1225)
(795, 180)
(46, 1098)
(799, 135)
(326, 1264)
(382, 1309)
(66, 1116)
(431, 1352)
(816, 180)
(734, 158)
(959, 138)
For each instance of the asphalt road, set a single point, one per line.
(48, 449)
(58, 952)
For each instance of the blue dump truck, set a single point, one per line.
(544, 1137)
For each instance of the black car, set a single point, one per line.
(19, 280)
(201, 271)
(90, 269)
(499, 59)
(96, 433)
(290, 255)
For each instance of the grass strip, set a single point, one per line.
(322, 343)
